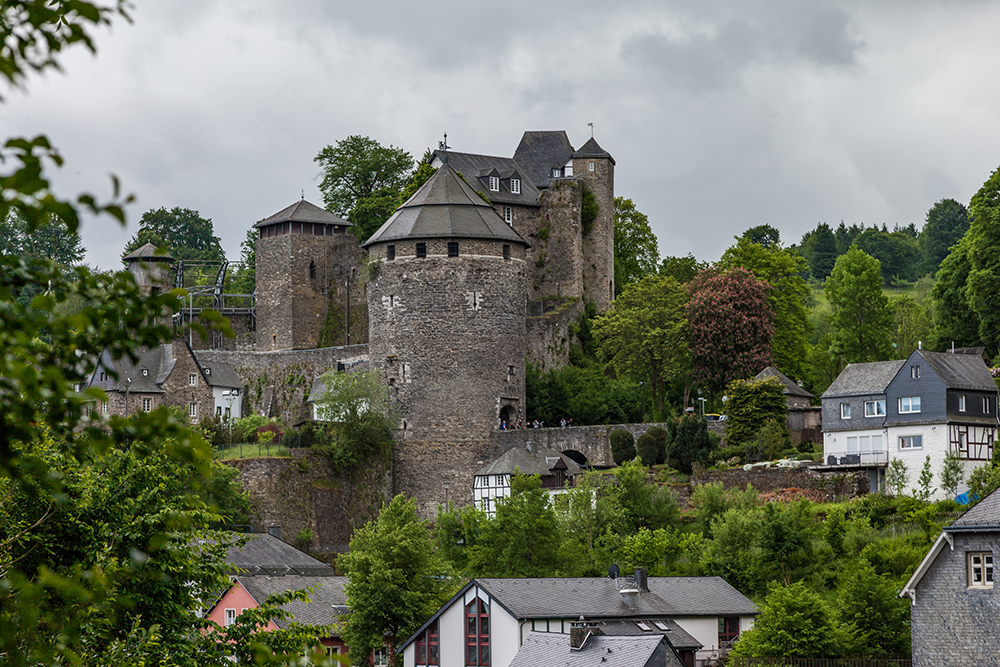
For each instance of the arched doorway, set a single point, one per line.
(507, 416)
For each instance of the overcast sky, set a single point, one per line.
(721, 114)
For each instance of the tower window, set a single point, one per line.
(494, 184)
(312, 270)
(421, 250)
(591, 165)
(453, 248)
(508, 215)
(506, 251)
(390, 252)
(515, 186)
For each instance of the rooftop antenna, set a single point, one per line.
(443, 147)
(591, 126)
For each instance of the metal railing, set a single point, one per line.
(856, 458)
(816, 662)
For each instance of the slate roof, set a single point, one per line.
(677, 636)
(540, 151)
(319, 387)
(221, 374)
(327, 603)
(593, 149)
(553, 650)
(303, 211)
(149, 253)
(539, 462)
(986, 513)
(445, 207)
(960, 371)
(866, 378)
(791, 387)
(157, 362)
(265, 554)
(476, 169)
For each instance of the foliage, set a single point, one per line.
(630, 504)
(861, 319)
(395, 579)
(983, 283)
(663, 437)
(984, 480)
(954, 319)
(911, 324)
(49, 240)
(897, 476)
(681, 269)
(585, 395)
(182, 232)
(819, 247)
(834, 529)
(897, 253)
(946, 223)
(359, 404)
(925, 480)
(644, 334)
(765, 236)
(456, 531)
(712, 500)
(731, 323)
(872, 612)
(622, 446)
(636, 252)
(245, 428)
(589, 208)
(750, 405)
(773, 438)
(244, 278)
(647, 448)
(691, 444)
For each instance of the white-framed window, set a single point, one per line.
(911, 442)
(332, 651)
(980, 569)
(875, 408)
(568, 170)
(218, 410)
(192, 410)
(230, 617)
(380, 657)
(508, 215)
(104, 407)
(494, 184)
(515, 186)
(986, 405)
(876, 443)
(557, 173)
(845, 410)
(228, 413)
(192, 379)
(914, 372)
(909, 404)
(961, 403)
(852, 444)
(591, 165)
(147, 404)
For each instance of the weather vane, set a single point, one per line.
(591, 126)
(443, 147)
(303, 195)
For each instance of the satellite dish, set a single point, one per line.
(613, 571)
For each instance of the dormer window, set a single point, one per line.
(494, 184)
(557, 173)
(568, 170)
(208, 371)
(515, 186)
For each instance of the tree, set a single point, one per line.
(763, 235)
(782, 269)
(644, 334)
(954, 319)
(861, 319)
(630, 504)
(244, 278)
(819, 247)
(873, 613)
(911, 324)
(181, 231)
(681, 269)
(647, 449)
(636, 253)
(946, 223)
(622, 446)
(897, 476)
(50, 240)
(360, 405)
(751, 404)
(897, 253)
(983, 284)
(395, 579)
(731, 324)
(951, 474)
(690, 444)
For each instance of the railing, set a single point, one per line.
(855, 458)
(816, 662)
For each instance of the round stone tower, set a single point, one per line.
(446, 309)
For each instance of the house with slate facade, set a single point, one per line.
(491, 621)
(954, 599)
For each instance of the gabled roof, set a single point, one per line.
(593, 149)
(303, 211)
(327, 602)
(675, 634)
(220, 374)
(791, 387)
(445, 207)
(960, 371)
(866, 378)
(539, 462)
(476, 168)
(149, 253)
(157, 363)
(266, 554)
(543, 648)
(540, 151)
(985, 514)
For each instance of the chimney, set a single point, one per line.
(630, 597)
(641, 575)
(579, 633)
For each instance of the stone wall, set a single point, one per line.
(178, 387)
(599, 244)
(301, 492)
(277, 383)
(548, 331)
(556, 252)
(422, 468)
(244, 335)
(835, 486)
(591, 441)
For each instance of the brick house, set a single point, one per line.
(954, 600)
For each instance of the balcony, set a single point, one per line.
(856, 459)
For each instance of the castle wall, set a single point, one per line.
(599, 243)
(557, 260)
(548, 332)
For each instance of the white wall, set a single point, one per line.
(505, 629)
(836, 442)
(705, 630)
(936, 441)
(224, 402)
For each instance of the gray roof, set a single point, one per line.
(540, 151)
(553, 650)
(267, 555)
(303, 211)
(678, 637)
(445, 207)
(478, 168)
(149, 253)
(791, 387)
(220, 374)
(156, 362)
(327, 602)
(319, 387)
(960, 371)
(593, 149)
(986, 513)
(866, 378)
(539, 462)
(596, 598)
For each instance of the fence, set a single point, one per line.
(816, 662)
(277, 447)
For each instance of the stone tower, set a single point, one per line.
(447, 329)
(595, 167)
(309, 287)
(153, 272)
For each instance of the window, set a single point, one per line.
(986, 405)
(228, 413)
(208, 371)
(145, 372)
(874, 408)
(729, 629)
(494, 184)
(104, 407)
(230, 617)
(421, 250)
(427, 645)
(591, 165)
(981, 569)
(390, 252)
(147, 404)
(192, 410)
(312, 270)
(506, 251)
(218, 410)
(845, 410)
(453, 248)
(911, 442)
(908, 404)
(876, 443)
(192, 379)
(477, 633)
(556, 173)
(568, 170)
(508, 215)
(104, 376)
(380, 657)
(961, 403)
(914, 372)
(515, 186)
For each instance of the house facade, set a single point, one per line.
(490, 620)
(492, 482)
(954, 600)
(804, 420)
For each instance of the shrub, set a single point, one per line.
(245, 429)
(647, 448)
(727, 453)
(806, 447)
(275, 433)
(805, 457)
(874, 508)
(773, 438)
(213, 430)
(663, 438)
(690, 444)
(622, 446)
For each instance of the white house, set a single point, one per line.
(492, 481)
(227, 389)
(490, 620)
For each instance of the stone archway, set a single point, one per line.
(577, 457)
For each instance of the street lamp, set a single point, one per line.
(446, 485)
(128, 383)
(230, 396)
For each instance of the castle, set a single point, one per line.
(485, 266)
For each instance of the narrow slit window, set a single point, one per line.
(506, 251)
(390, 252)
(421, 250)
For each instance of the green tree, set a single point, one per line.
(182, 232)
(395, 580)
(763, 235)
(647, 449)
(622, 446)
(359, 404)
(897, 253)
(861, 319)
(873, 613)
(630, 503)
(925, 480)
(636, 252)
(954, 319)
(691, 444)
(50, 240)
(681, 269)
(946, 223)
(952, 474)
(897, 476)
(644, 334)
(911, 324)
(819, 247)
(244, 278)
(750, 405)
(983, 284)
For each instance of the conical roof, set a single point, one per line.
(445, 206)
(303, 211)
(148, 253)
(593, 149)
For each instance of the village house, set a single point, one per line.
(805, 421)
(492, 482)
